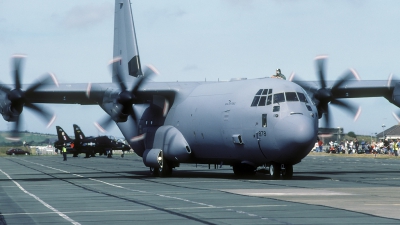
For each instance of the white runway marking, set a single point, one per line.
(41, 201)
(79, 212)
(285, 192)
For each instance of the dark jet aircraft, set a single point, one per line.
(244, 123)
(88, 145)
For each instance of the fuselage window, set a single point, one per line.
(280, 97)
(262, 101)
(255, 101)
(291, 97)
(309, 108)
(264, 120)
(302, 97)
(276, 108)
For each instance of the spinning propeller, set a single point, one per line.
(16, 98)
(122, 104)
(323, 95)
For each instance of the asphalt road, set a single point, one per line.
(324, 190)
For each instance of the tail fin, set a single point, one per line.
(62, 135)
(78, 133)
(125, 45)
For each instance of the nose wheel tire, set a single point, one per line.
(287, 173)
(275, 171)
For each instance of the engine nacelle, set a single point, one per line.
(396, 95)
(112, 107)
(167, 142)
(6, 110)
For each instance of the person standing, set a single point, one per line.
(64, 152)
(356, 144)
(320, 143)
(279, 75)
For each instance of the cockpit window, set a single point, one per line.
(262, 101)
(269, 100)
(291, 97)
(255, 101)
(261, 97)
(302, 97)
(280, 97)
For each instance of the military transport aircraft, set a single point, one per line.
(88, 145)
(244, 123)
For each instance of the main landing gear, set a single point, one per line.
(243, 169)
(165, 169)
(276, 169)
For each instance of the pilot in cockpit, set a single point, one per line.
(279, 75)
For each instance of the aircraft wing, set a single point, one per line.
(94, 94)
(354, 88)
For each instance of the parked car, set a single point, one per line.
(17, 151)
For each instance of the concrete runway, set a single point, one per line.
(324, 190)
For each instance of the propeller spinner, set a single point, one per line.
(122, 104)
(323, 95)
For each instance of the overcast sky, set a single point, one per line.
(204, 39)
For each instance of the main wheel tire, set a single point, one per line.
(165, 170)
(154, 171)
(288, 172)
(275, 171)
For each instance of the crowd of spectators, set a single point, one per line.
(387, 146)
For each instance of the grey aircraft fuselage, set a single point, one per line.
(213, 115)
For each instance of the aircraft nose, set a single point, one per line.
(294, 135)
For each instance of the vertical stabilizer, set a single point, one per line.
(62, 135)
(125, 45)
(78, 133)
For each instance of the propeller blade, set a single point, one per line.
(353, 110)
(17, 61)
(15, 135)
(118, 74)
(45, 114)
(349, 75)
(396, 115)
(5, 88)
(305, 85)
(345, 106)
(149, 72)
(320, 61)
(166, 107)
(138, 138)
(46, 79)
(104, 124)
(327, 118)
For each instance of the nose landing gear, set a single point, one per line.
(276, 169)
